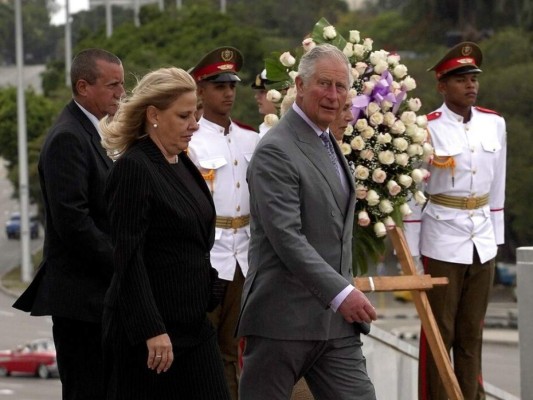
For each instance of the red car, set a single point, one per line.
(37, 357)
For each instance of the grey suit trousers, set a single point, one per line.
(334, 369)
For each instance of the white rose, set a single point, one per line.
(293, 75)
(379, 175)
(379, 229)
(329, 32)
(405, 180)
(410, 130)
(427, 151)
(345, 149)
(367, 43)
(348, 130)
(357, 143)
(389, 223)
(405, 210)
(420, 198)
(361, 67)
(287, 59)
(399, 71)
(393, 188)
(359, 51)
(372, 198)
(360, 192)
(271, 120)
(425, 173)
(393, 59)
(348, 50)
(408, 83)
(366, 154)
(355, 73)
(381, 66)
(389, 118)
(363, 219)
(419, 135)
(385, 206)
(386, 157)
(396, 87)
(414, 104)
(308, 44)
(361, 124)
(375, 78)
(400, 144)
(355, 37)
(386, 105)
(414, 150)
(417, 175)
(368, 87)
(361, 172)
(368, 132)
(352, 92)
(372, 108)
(377, 56)
(402, 159)
(397, 128)
(384, 138)
(376, 119)
(408, 117)
(422, 121)
(273, 96)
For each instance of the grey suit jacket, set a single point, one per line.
(301, 237)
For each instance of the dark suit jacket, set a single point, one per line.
(77, 260)
(161, 244)
(301, 237)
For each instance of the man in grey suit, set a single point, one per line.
(300, 314)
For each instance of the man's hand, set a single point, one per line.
(357, 308)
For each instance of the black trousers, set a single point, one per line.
(79, 358)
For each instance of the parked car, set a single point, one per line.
(37, 357)
(13, 226)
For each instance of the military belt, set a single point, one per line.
(461, 203)
(232, 223)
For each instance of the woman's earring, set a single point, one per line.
(155, 125)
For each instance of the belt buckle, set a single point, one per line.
(471, 203)
(236, 222)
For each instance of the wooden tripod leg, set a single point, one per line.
(431, 330)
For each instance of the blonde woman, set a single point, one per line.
(158, 343)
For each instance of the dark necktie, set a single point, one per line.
(331, 152)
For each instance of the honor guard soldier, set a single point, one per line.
(264, 106)
(462, 224)
(222, 149)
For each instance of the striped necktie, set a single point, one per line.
(331, 152)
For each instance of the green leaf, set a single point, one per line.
(318, 35)
(275, 70)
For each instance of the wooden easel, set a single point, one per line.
(417, 284)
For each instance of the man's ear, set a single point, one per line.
(442, 86)
(81, 87)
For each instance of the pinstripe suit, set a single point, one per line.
(162, 279)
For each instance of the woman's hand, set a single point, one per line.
(160, 355)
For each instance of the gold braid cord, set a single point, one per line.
(444, 162)
(209, 177)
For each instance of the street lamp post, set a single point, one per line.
(25, 267)
(108, 18)
(68, 44)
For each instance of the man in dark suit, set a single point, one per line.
(77, 260)
(300, 314)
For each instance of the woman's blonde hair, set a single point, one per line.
(158, 88)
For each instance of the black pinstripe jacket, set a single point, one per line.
(161, 245)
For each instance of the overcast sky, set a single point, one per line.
(74, 5)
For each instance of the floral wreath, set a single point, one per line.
(386, 142)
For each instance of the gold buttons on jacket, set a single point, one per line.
(238, 208)
(238, 185)
(235, 162)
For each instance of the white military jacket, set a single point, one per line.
(478, 149)
(223, 161)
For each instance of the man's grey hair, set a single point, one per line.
(306, 69)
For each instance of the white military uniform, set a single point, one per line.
(223, 160)
(478, 148)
